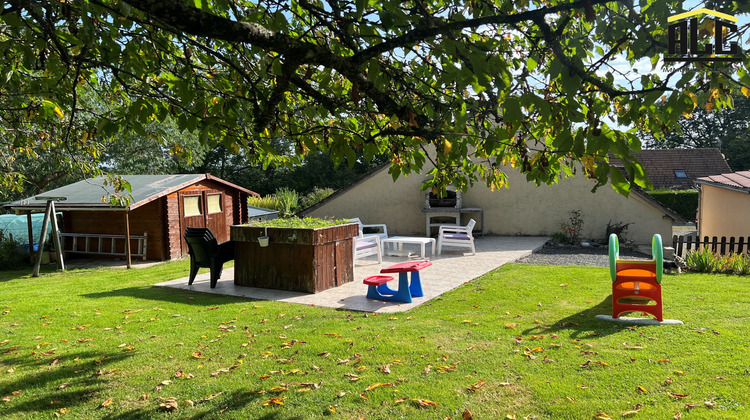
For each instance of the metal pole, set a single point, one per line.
(42, 237)
(56, 238)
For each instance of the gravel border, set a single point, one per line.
(570, 255)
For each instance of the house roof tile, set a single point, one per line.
(660, 166)
(734, 180)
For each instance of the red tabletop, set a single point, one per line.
(406, 267)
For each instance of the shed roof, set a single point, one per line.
(92, 194)
(660, 166)
(739, 181)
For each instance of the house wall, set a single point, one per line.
(521, 209)
(723, 212)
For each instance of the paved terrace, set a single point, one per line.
(448, 271)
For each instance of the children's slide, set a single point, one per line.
(636, 284)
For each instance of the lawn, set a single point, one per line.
(520, 342)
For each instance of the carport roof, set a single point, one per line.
(735, 181)
(93, 194)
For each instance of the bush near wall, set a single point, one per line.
(683, 202)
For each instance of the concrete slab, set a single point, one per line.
(448, 271)
(639, 321)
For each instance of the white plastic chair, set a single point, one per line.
(382, 230)
(458, 236)
(367, 244)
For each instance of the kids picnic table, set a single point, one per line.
(378, 287)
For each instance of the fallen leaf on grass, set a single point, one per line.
(274, 401)
(169, 405)
(475, 386)
(710, 404)
(63, 385)
(424, 403)
(691, 405)
(602, 415)
(677, 396)
(466, 415)
(106, 402)
(642, 389)
(378, 385)
(209, 398)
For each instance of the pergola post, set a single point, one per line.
(127, 238)
(31, 235)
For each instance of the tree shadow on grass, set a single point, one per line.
(584, 324)
(226, 404)
(164, 294)
(84, 381)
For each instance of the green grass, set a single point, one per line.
(522, 340)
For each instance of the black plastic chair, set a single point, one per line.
(206, 252)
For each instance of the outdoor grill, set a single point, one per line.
(446, 210)
(452, 199)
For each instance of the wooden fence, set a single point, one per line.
(722, 246)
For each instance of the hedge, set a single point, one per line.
(683, 202)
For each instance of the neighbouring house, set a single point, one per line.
(160, 209)
(677, 169)
(521, 209)
(724, 205)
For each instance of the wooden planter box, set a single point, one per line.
(300, 260)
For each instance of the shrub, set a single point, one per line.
(705, 261)
(267, 202)
(684, 202)
(738, 264)
(10, 255)
(288, 201)
(574, 228)
(315, 196)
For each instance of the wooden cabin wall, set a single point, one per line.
(147, 218)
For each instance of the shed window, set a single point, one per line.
(214, 203)
(192, 205)
(680, 174)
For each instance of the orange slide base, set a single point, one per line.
(636, 289)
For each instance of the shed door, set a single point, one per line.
(216, 215)
(204, 209)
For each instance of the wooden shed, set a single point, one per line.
(161, 207)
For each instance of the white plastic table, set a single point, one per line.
(399, 241)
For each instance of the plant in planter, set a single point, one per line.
(303, 255)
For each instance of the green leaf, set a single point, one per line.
(619, 182)
(512, 110)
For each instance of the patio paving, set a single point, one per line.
(448, 271)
